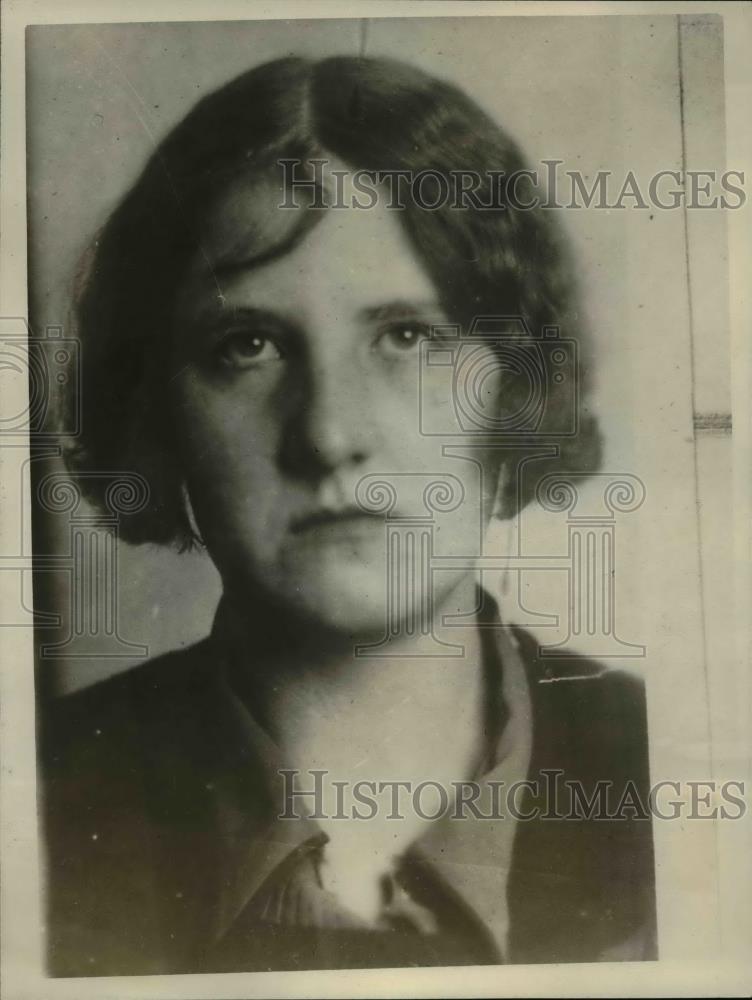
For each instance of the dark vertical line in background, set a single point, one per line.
(364, 24)
(692, 361)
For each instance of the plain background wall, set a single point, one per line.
(617, 93)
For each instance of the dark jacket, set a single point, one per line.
(138, 856)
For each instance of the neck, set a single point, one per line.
(407, 717)
(328, 708)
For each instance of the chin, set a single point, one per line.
(342, 589)
(351, 600)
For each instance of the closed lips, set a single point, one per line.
(325, 518)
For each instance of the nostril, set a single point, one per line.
(314, 449)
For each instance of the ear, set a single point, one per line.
(194, 539)
(501, 509)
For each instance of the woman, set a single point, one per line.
(255, 346)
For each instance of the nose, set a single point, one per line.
(328, 431)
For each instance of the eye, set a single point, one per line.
(403, 337)
(244, 349)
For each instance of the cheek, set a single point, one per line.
(460, 390)
(225, 437)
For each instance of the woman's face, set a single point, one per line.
(298, 376)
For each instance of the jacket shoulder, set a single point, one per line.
(117, 758)
(597, 706)
(122, 703)
(583, 883)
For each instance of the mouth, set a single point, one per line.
(345, 523)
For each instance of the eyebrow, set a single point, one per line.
(383, 312)
(402, 309)
(246, 313)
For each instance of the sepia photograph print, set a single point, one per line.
(375, 504)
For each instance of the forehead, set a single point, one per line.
(253, 247)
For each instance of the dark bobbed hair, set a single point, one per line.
(374, 114)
